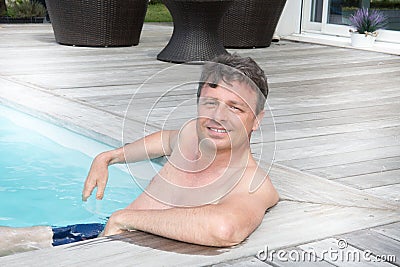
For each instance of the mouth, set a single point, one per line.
(218, 130)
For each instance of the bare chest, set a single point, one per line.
(187, 177)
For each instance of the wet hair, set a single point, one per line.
(229, 68)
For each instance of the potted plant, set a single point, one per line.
(366, 23)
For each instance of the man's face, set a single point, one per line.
(226, 114)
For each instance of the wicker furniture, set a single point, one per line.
(250, 23)
(97, 22)
(195, 35)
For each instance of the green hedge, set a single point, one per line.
(385, 5)
(376, 4)
(157, 13)
(25, 9)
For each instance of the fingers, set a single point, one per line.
(97, 177)
(87, 191)
(101, 186)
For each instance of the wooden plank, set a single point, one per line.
(372, 180)
(291, 183)
(86, 93)
(335, 140)
(304, 107)
(281, 97)
(378, 244)
(323, 86)
(283, 134)
(390, 230)
(319, 73)
(315, 56)
(338, 252)
(360, 168)
(245, 262)
(359, 112)
(300, 125)
(390, 192)
(343, 158)
(345, 146)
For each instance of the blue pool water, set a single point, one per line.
(42, 171)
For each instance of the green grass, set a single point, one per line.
(157, 13)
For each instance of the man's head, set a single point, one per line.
(229, 68)
(230, 103)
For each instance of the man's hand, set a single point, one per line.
(152, 146)
(97, 177)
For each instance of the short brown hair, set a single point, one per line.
(232, 67)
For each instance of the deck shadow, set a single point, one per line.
(143, 239)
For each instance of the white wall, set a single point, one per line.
(289, 22)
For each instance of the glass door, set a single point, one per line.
(332, 16)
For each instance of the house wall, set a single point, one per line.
(290, 20)
(290, 23)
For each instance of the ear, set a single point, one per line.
(258, 120)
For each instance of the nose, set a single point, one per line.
(220, 113)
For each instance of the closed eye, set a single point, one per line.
(209, 102)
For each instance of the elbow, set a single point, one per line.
(275, 198)
(225, 233)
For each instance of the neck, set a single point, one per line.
(226, 158)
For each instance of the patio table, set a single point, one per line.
(250, 23)
(195, 35)
(97, 23)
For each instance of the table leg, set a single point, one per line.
(195, 36)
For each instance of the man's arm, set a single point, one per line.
(225, 224)
(152, 146)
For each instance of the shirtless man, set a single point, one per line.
(211, 190)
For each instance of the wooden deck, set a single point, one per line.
(337, 119)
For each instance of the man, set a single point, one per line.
(211, 190)
(230, 107)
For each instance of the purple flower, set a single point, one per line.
(365, 20)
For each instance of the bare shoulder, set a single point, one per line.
(184, 136)
(256, 187)
(261, 184)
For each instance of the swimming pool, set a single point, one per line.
(42, 171)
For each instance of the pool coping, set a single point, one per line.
(54, 108)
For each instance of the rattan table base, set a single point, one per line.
(195, 36)
(97, 22)
(250, 23)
